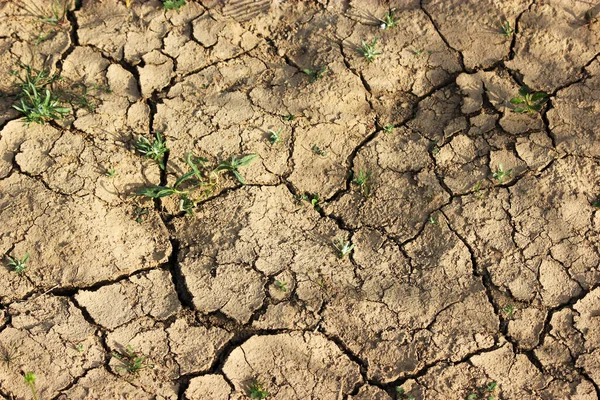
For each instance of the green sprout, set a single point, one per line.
(317, 150)
(29, 378)
(79, 347)
(507, 31)
(275, 136)
(315, 74)
(433, 147)
(509, 310)
(501, 174)
(389, 128)
(402, 395)
(111, 172)
(484, 393)
(432, 220)
(477, 190)
(17, 265)
(155, 150)
(173, 4)
(131, 361)
(233, 165)
(257, 390)
(388, 21)
(289, 117)
(529, 102)
(342, 246)
(362, 179)
(418, 52)
(368, 50)
(139, 213)
(281, 286)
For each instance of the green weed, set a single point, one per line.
(432, 220)
(235, 163)
(418, 52)
(363, 180)
(501, 174)
(477, 190)
(139, 213)
(342, 246)
(509, 311)
(528, 101)
(131, 361)
(281, 286)
(318, 151)
(402, 395)
(111, 172)
(173, 4)
(289, 117)
(368, 50)
(388, 128)
(17, 265)
(257, 390)
(275, 136)
(484, 393)
(155, 150)
(29, 378)
(315, 74)
(506, 30)
(313, 199)
(433, 147)
(388, 21)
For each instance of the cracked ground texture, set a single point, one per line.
(458, 285)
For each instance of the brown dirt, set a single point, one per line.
(456, 281)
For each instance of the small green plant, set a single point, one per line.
(275, 136)
(528, 101)
(29, 378)
(8, 354)
(17, 265)
(368, 50)
(363, 180)
(418, 52)
(257, 390)
(433, 147)
(289, 117)
(173, 4)
(509, 311)
(389, 128)
(596, 202)
(342, 246)
(507, 31)
(131, 361)
(317, 150)
(111, 172)
(139, 213)
(590, 18)
(79, 347)
(235, 163)
(155, 150)
(281, 286)
(477, 190)
(388, 21)
(501, 174)
(315, 74)
(484, 393)
(432, 220)
(402, 395)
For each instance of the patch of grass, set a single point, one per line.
(155, 150)
(36, 101)
(369, 51)
(388, 21)
(275, 136)
(173, 4)
(363, 181)
(483, 393)
(281, 286)
(16, 265)
(342, 246)
(234, 163)
(29, 379)
(509, 311)
(402, 395)
(131, 361)
(506, 29)
(315, 74)
(501, 174)
(318, 151)
(528, 101)
(257, 390)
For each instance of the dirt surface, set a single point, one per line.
(460, 284)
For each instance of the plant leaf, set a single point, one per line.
(524, 91)
(246, 160)
(517, 100)
(538, 96)
(520, 110)
(239, 177)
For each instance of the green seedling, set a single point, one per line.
(590, 18)
(155, 150)
(484, 393)
(79, 347)
(342, 246)
(29, 378)
(368, 50)
(317, 150)
(235, 163)
(257, 390)
(363, 180)
(388, 21)
(275, 137)
(477, 190)
(111, 172)
(388, 128)
(289, 117)
(281, 286)
(432, 220)
(433, 147)
(507, 31)
(315, 74)
(173, 4)
(131, 361)
(17, 265)
(139, 213)
(528, 101)
(509, 311)
(501, 174)
(8, 354)
(596, 202)
(402, 395)
(418, 52)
